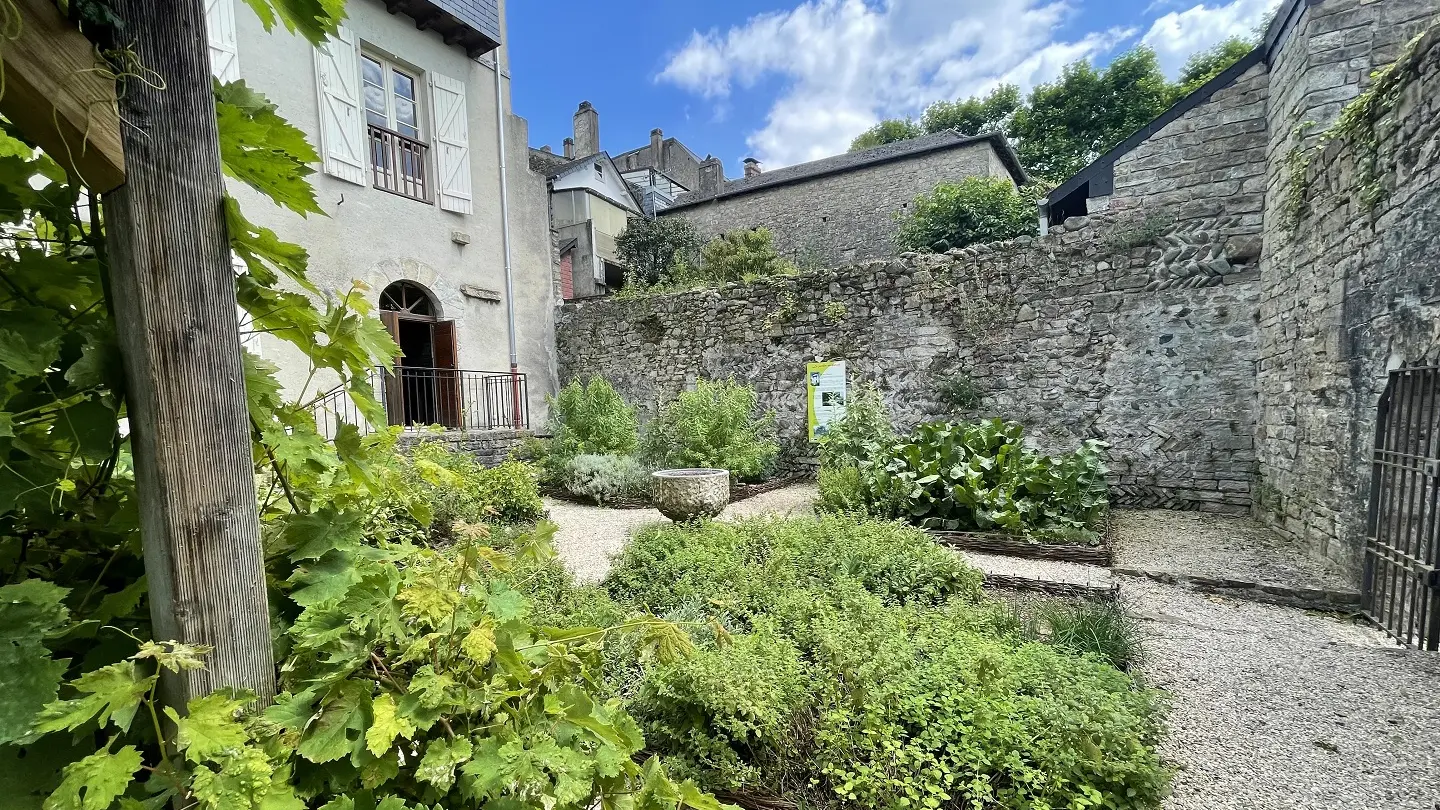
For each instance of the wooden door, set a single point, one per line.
(447, 375)
(394, 397)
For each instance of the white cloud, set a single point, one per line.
(846, 64)
(1177, 35)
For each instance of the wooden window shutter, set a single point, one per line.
(224, 47)
(451, 143)
(342, 123)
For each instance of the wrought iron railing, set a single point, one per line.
(416, 398)
(397, 163)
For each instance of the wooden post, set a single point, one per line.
(175, 311)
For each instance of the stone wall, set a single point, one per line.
(1349, 291)
(846, 217)
(1209, 161)
(1096, 330)
(489, 447)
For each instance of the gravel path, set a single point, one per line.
(1279, 709)
(1215, 546)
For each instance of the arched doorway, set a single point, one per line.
(425, 387)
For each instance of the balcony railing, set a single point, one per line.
(417, 398)
(397, 163)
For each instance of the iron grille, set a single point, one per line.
(1402, 545)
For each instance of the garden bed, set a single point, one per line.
(1011, 546)
(738, 492)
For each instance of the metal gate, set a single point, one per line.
(1402, 549)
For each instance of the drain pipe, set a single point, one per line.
(505, 240)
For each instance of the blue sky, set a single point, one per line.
(788, 81)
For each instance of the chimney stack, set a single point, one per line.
(547, 150)
(587, 130)
(752, 168)
(712, 176)
(657, 149)
(569, 145)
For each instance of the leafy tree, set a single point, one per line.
(974, 115)
(1078, 117)
(976, 209)
(742, 255)
(1209, 63)
(887, 131)
(651, 248)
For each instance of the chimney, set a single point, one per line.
(547, 150)
(657, 149)
(569, 144)
(752, 168)
(587, 130)
(712, 176)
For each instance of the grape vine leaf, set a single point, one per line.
(311, 19)
(209, 729)
(244, 779)
(113, 693)
(440, 760)
(263, 150)
(32, 679)
(95, 782)
(340, 729)
(386, 726)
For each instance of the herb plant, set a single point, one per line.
(716, 425)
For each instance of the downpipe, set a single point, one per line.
(505, 241)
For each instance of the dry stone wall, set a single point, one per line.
(1100, 329)
(1349, 291)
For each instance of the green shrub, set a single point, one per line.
(716, 425)
(437, 488)
(864, 427)
(651, 248)
(605, 478)
(974, 210)
(982, 477)
(742, 255)
(1100, 628)
(742, 567)
(958, 390)
(588, 419)
(865, 670)
(842, 489)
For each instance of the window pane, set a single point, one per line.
(405, 120)
(404, 86)
(372, 71)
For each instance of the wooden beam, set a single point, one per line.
(61, 95)
(174, 299)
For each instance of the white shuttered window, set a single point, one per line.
(342, 120)
(224, 51)
(451, 143)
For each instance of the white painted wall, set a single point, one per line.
(377, 237)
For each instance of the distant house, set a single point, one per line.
(592, 196)
(590, 205)
(844, 208)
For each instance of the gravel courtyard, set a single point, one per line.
(1272, 708)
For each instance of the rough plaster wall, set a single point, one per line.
(1349, 291)
(1209, 161)
(1076, 335)
(844, 217)
(377, 238)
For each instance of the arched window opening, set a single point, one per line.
(409, 298)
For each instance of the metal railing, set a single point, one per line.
(397, 163)
(417, 398)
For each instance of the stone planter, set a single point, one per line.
(683, 495)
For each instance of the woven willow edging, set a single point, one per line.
(1066, 590)
(1010, 546)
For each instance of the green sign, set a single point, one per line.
(824, 396)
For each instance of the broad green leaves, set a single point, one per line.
(96, 781)
(263, 150)
(30, 611)
(110, 695)
(312, 19)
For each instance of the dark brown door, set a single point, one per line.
(394, 391)
(447, 363)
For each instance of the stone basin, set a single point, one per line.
(690, 494)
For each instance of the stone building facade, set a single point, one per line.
(844, 208)
(1080, 334)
